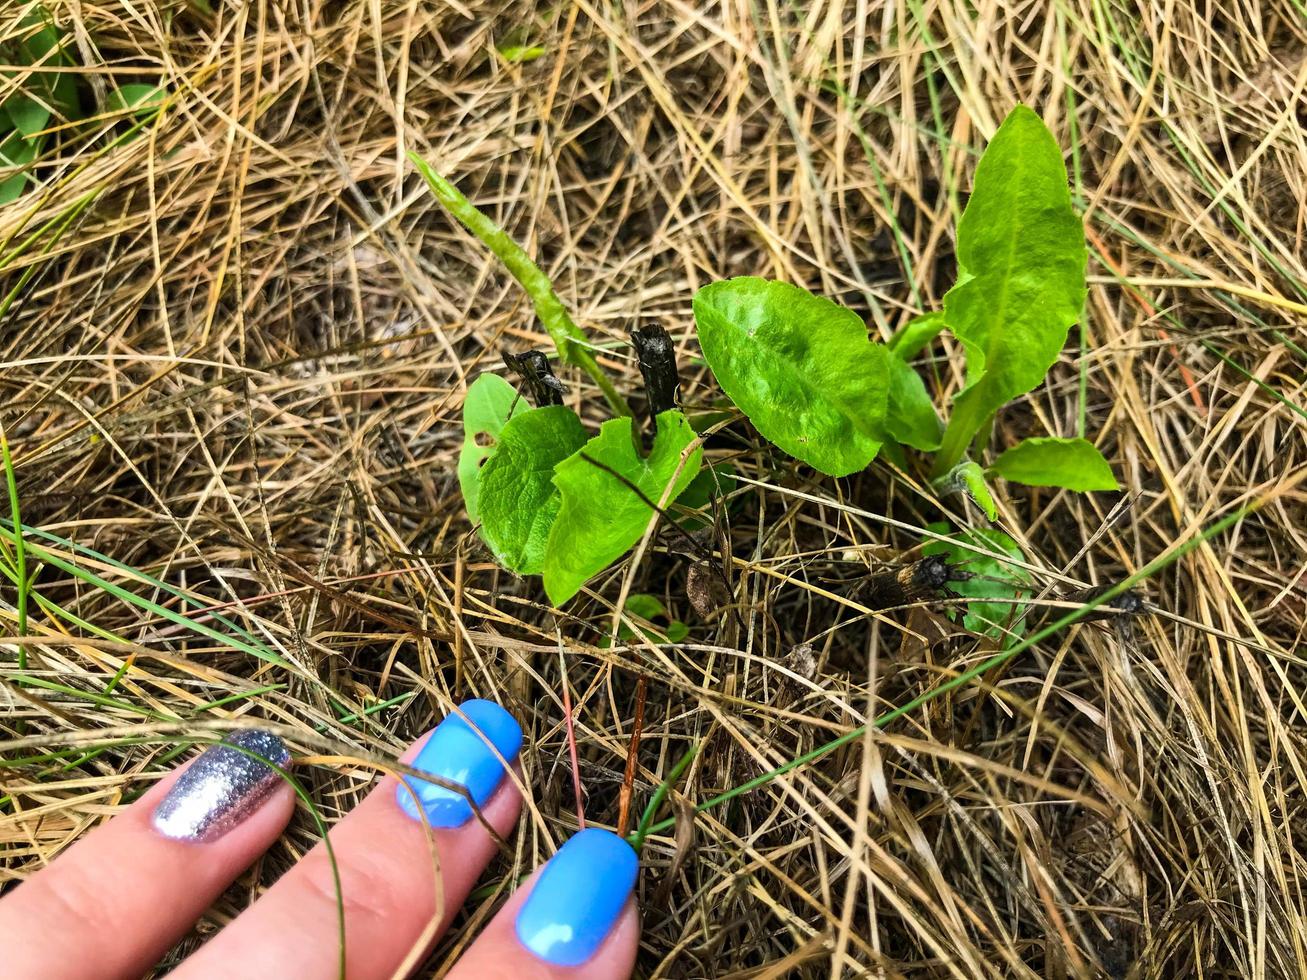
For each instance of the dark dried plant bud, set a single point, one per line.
(1128, 602)
(536, 373)
(657, 356)
(920, 580)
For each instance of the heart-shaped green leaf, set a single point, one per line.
(489, 403)
(601, 515)
(517, 499)
(1075, 464)
(799, 366)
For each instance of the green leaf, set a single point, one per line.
(645, 606)
(910, 417)
(991, 578)
(1075, 464)
(520, 53)
(601, 516)
(144, 99)
(27, 114)
(45, 47)
(712, 482)
(489, 403)
(915, 335)
(517, 498)
(15, 151)
(969, 477)
(39, 44)
(1021, 275)
(648, 607)
(800, 367)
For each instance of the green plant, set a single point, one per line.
(552, 501)
(810, 380)
(642, 610)
(33, 97)
(39, 98)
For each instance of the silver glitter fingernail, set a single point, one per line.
(222, 787)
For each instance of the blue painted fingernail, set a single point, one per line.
(578, 897)
(457, 753)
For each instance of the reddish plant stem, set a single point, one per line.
(628, 778)
(571, 748)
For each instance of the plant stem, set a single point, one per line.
(20, 548)
(566, 335)
(957, 436)
(636, 840)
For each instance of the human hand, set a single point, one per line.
(121, 897)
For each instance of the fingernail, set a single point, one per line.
(578, 897)
(222, 787)
(457, 753)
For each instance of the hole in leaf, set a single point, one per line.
(483, 439)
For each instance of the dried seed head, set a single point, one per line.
(657, 356)
(535, 371)
(921, 580)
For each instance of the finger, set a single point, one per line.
(119, 898)
(575, 919)
(395, 897)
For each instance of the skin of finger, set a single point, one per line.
(388, 885)
(498, 955)
(118, 899)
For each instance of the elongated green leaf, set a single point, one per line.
(915, 335)
(163, 612)
(570, 339)
(517, 499)
(801, 367)
(990, 578)
(601, 516)
(521, 53)
(910, 417)
(1075, 464)
(1021, 275)
(489, 403)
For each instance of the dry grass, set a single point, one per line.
(239, 368)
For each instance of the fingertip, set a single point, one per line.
(578, 898)
(574, 919)
(223, 788)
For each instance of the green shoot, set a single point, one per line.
(568, 338)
